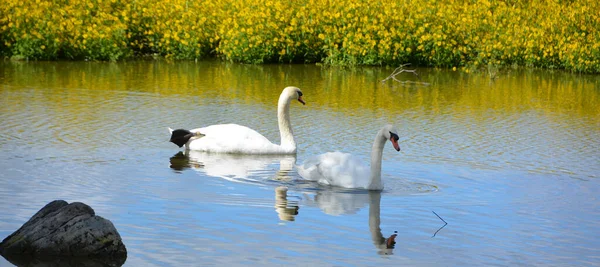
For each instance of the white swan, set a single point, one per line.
(345, 170)
(234, 138)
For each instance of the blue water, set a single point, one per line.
(515, 187)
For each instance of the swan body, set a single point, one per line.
(238, 139)
(345, 170)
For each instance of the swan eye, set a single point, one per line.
(299, 93)
(394, 136)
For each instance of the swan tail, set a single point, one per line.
(180, 137)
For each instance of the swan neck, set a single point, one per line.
(285, 128)
(376, 155)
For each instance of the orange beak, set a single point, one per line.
(301, 101)
(395, 144)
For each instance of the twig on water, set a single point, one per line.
(399, 70)
(445, 223)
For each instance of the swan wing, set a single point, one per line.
(337, 169)
(233, 138)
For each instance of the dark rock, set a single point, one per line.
(65, 230)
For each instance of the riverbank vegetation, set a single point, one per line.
(554, 34)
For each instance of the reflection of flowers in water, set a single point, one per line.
(286, 209)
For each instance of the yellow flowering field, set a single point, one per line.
(557, 34)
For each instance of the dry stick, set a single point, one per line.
(445, 223)
(399, 70)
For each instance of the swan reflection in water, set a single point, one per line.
(286, 207)
(349, 202)
(235, 167)
(240, 168)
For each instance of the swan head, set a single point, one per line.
(292, 93)
(390, 133)
(180, 137)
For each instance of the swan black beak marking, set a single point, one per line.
(300, 97)
(180, 137)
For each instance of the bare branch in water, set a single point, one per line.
(399, 70)
(439, 217)
(445, 223)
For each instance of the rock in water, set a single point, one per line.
(66, 230)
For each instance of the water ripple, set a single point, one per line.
(509, 174)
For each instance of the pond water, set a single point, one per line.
(512, 164)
